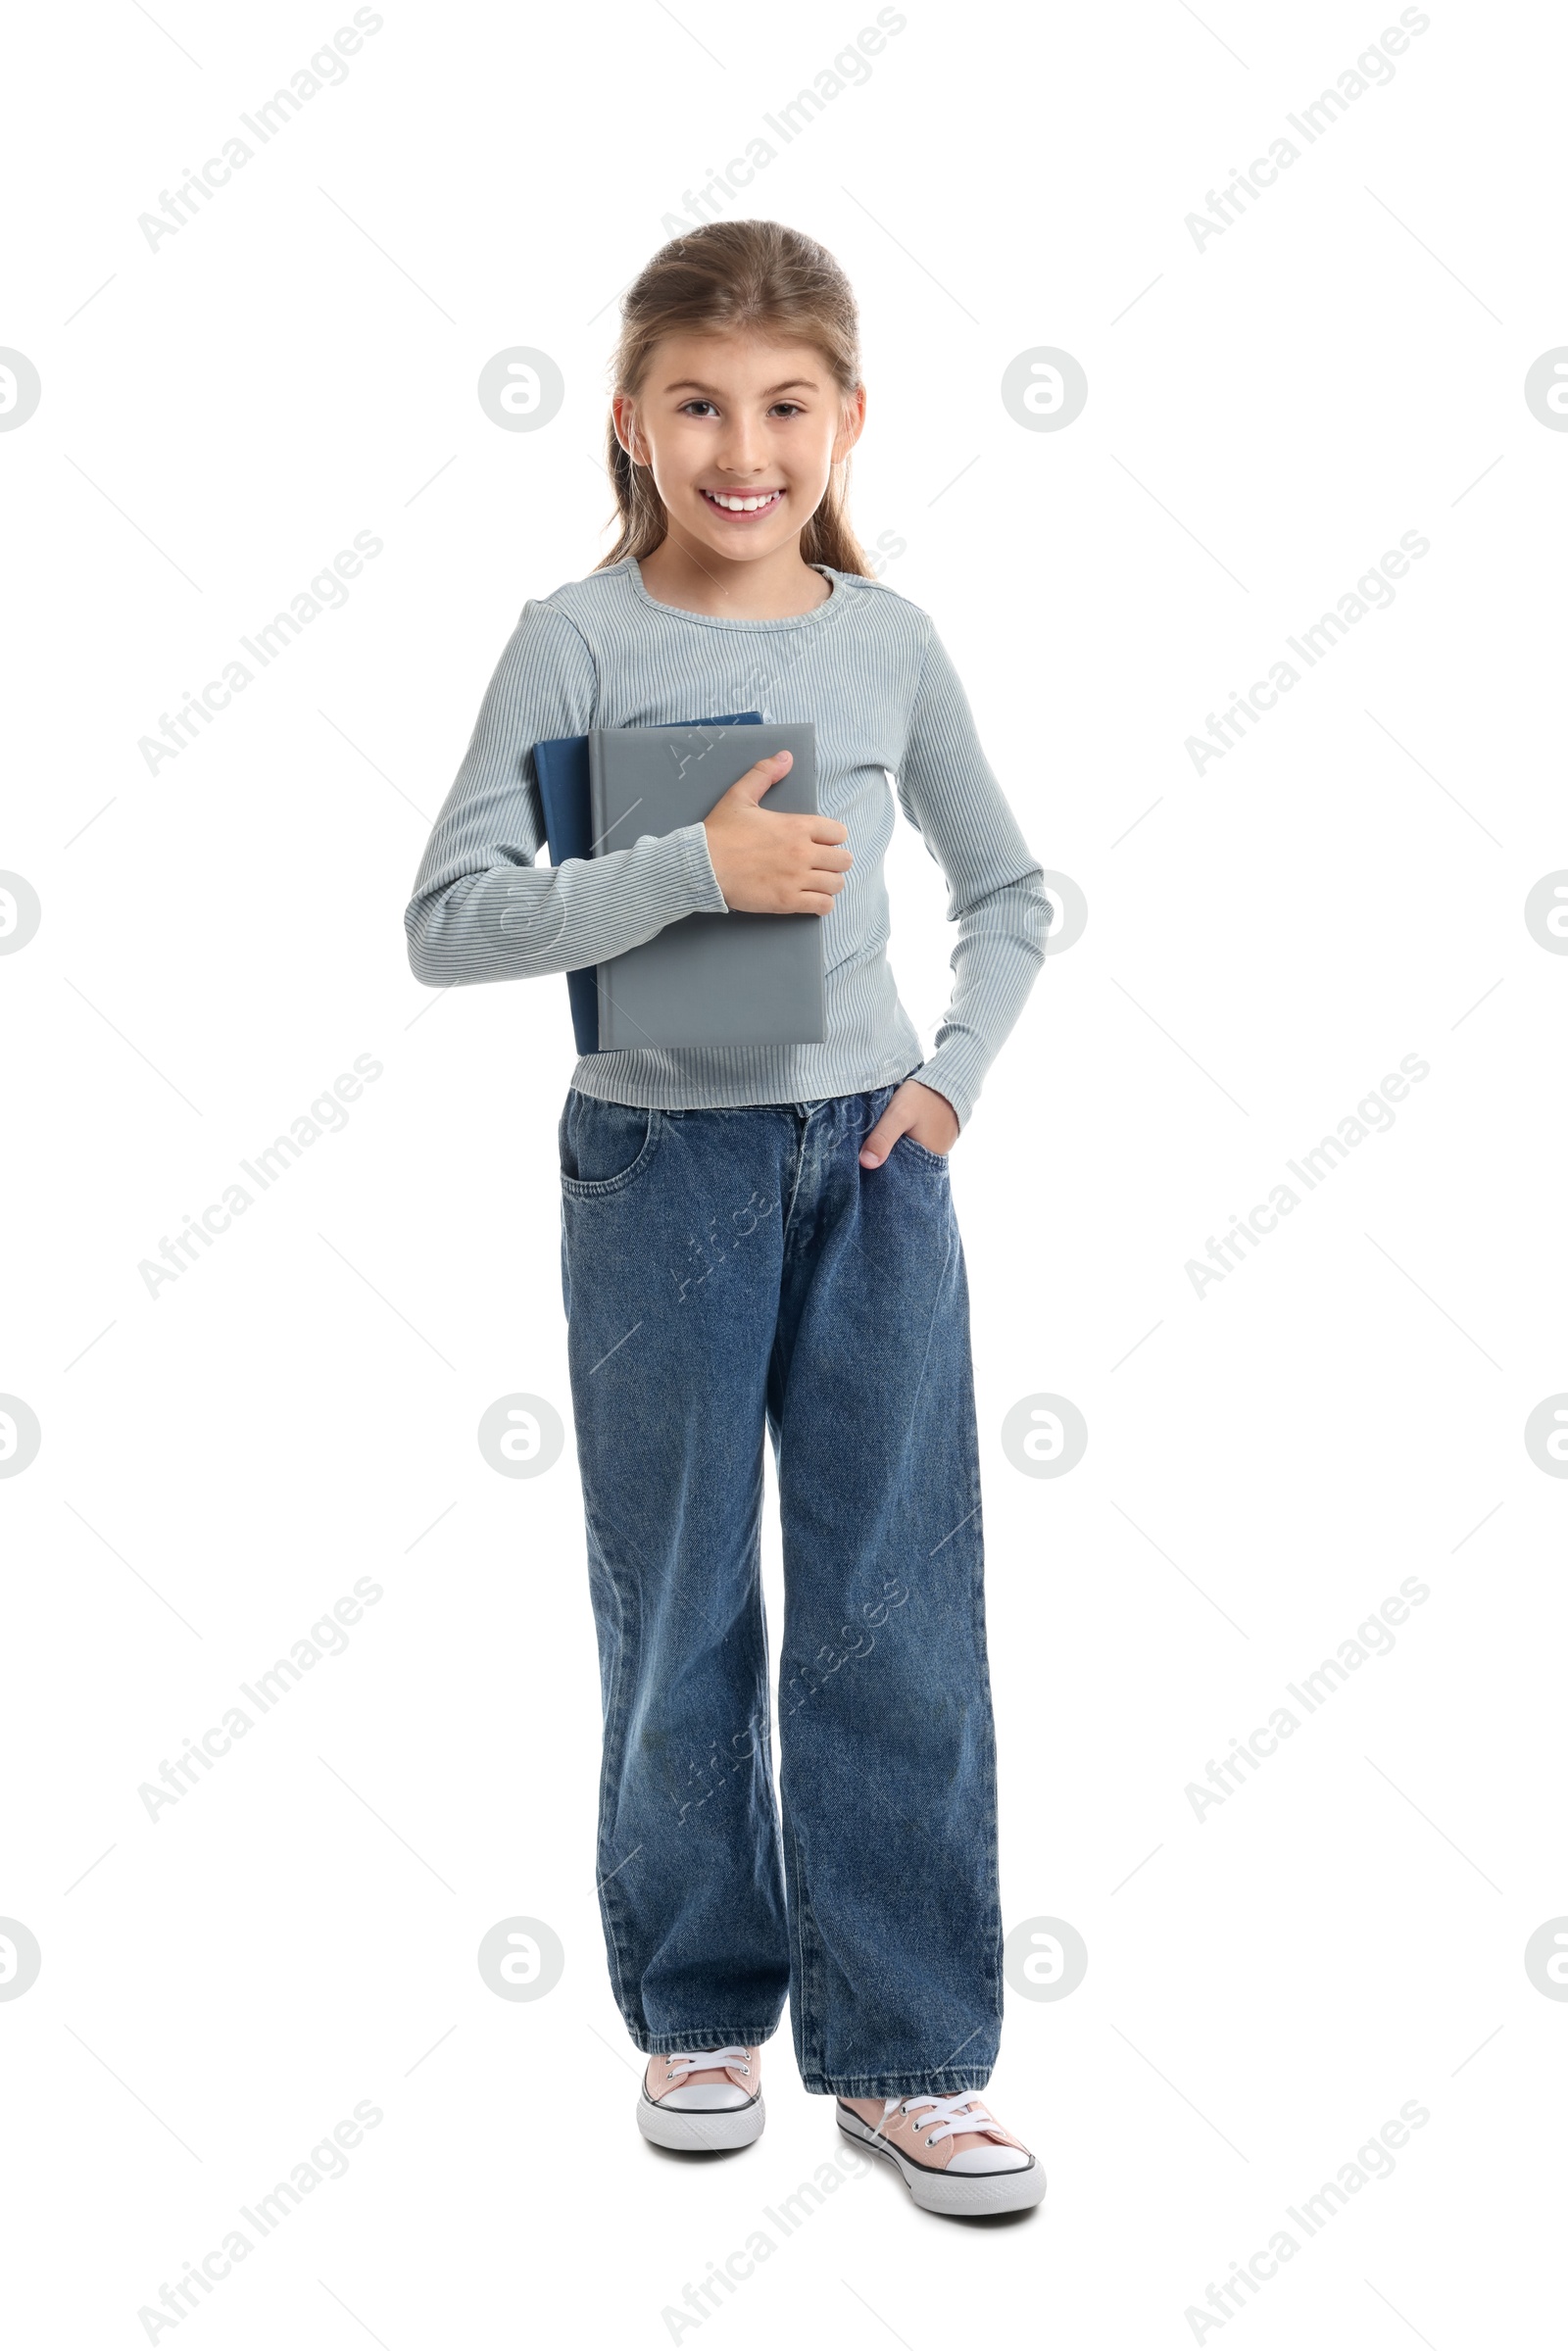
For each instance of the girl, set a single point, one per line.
(764, 1238)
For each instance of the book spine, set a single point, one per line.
(598, 819)
(596, 790)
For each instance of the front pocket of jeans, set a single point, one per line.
(614, 1128)
(931, 1158)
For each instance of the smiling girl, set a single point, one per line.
(762, 1240)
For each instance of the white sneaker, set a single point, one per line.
(702, 2100)
(952, 2156)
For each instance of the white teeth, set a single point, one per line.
(742, 506)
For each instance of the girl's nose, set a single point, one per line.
(741, 454)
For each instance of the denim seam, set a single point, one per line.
(983, 1681)
(946, 2079)
(703, 2036)
(765, 1758)
(611, 1771)
(808, 2017)
(802, 1142)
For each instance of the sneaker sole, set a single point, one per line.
(959, 2195)
(707, 2132)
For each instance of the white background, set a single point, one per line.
(218, 1464)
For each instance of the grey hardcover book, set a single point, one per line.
(709, 979)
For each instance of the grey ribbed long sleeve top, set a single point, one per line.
(868, 668)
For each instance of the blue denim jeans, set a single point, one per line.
(730, 1272)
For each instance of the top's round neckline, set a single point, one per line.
(720, 620)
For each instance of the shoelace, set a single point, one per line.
(696, 2060)
(966, 2112)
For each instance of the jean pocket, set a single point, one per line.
(908, 1143)
(605, 1146)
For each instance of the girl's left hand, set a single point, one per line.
(917, 1110)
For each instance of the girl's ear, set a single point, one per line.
(624, 411)
(852, 423)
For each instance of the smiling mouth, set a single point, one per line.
(743, 501)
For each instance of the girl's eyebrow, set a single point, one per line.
(796, 383)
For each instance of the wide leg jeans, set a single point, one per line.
(733, 1275)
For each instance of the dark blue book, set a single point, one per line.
(560, 769)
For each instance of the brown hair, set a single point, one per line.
(731, 276)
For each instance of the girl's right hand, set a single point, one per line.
(768, 863)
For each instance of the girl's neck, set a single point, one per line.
(772, 587)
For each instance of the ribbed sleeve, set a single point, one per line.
(995, 890)
(481, 908)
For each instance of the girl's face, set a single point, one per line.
(741, 436)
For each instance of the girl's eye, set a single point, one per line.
(688, 406)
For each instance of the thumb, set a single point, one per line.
(764, 776)
(883, 1136)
